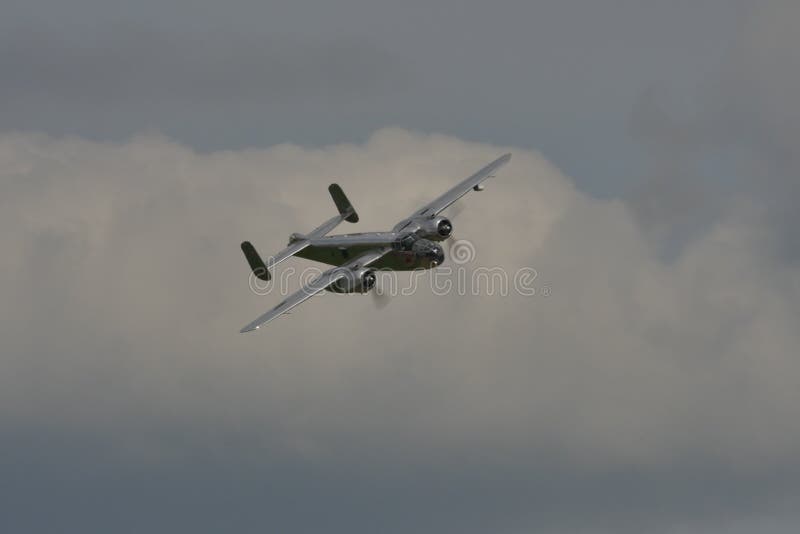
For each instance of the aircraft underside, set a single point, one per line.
(396, 260)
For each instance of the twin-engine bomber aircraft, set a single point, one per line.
(412, 244)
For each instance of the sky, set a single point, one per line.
(648, 384)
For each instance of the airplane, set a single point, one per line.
(411, 244)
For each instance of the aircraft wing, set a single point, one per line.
(439, 204)
(317, 285)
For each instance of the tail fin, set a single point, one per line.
(298, 242)
(344, 206)
(255, 261)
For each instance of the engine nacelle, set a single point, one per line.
(358, 281)
(428, 253)
(437, 228)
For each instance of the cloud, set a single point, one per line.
(667, 385)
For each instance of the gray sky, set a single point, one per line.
(562, 77)
(653, 387)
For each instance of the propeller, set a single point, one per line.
(454, 211)
(380, 297)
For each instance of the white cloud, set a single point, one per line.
(123, 291)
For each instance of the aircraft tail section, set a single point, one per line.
(346, 213)
(344, 206)
(256, 263)
(298, 242)
(260, 269)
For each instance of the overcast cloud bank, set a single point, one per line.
(123, 290)
(654, 389)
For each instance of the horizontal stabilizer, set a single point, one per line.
(255, 261)
(343, 204)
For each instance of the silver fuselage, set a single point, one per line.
(411, 250)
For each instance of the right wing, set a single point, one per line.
(317, 285)
(462, 188)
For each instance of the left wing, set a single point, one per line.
(317, 285)
(439, 204)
